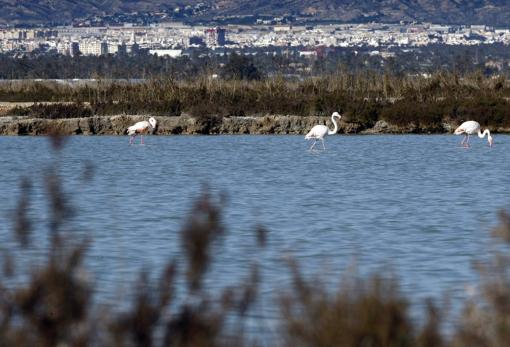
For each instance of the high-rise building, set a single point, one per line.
(210, 37)
(221, 36)
(74, 49)
(104, 48)
(215, 37)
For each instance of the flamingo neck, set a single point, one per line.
(485, 132)
(335, 129)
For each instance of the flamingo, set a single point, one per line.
(319, 131)
(141, 128)
(469, 128)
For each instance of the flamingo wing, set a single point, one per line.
(468, 127)
(317, 132)
(138, 127)
(471, 127)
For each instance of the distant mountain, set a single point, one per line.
(493, 12)
(58, 11)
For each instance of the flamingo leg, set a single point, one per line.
(141, 139)
(313, 144)
(132, 139)
(323, 147)
(467, 141)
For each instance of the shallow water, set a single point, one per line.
(419, 207)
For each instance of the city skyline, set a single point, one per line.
(170, 38)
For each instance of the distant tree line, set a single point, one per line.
(260, 63)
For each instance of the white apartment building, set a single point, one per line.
(94, 47)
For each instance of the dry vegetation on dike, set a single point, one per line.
(54, 304)
(422, 104)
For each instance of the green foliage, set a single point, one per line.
(53, 111)
(161, 108)
(488, 111)
(240, 68)
(420, 116)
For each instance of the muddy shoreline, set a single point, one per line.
(187, 125)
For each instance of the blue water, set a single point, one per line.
(417, 207)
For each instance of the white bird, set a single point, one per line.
(469, 128)
(141, 128)
(319, 131)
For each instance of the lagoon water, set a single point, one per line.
(418, 207)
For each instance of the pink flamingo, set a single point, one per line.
(469, 128)
(319, 131)
(141, 128)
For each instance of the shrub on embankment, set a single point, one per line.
(53, 111)
(487, 110)
(420, 103)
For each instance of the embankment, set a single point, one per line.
(187, 125)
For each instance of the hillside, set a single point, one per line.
(494, 12)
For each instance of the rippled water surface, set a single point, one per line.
(420, 207)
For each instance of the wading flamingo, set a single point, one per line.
(319, 131)
(469, 128)
(141, 128)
